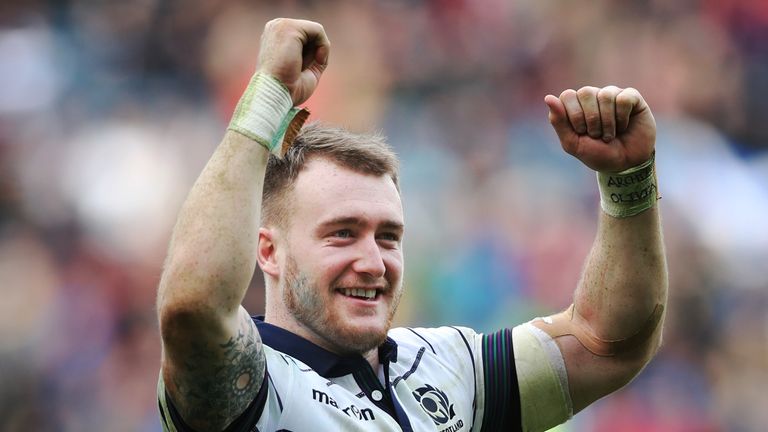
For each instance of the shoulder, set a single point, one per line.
(442, 333)
(446, 339)
(280, 364)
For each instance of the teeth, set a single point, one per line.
(359, 292)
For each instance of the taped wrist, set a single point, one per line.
(265, 114)
(629, 192)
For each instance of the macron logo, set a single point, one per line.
(352, 411)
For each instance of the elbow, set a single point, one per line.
(191, 284)
(190, 290)
(648, 348)
(178, 318)
(636, 360)
(654, 346)
(186, 328)
(186, 311)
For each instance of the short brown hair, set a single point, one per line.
(363, 153)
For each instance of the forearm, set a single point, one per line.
(625, 277)
(211, 258)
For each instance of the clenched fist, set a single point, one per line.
(609, 129)
(296, 53)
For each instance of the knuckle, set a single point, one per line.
(587, 91)
(625, 98)
(567, 93)
(630, 93)
(281, 24)
(607, 94)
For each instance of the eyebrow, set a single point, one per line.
(352, 220)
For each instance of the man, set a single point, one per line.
(328, 239)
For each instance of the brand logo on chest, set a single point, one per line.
(435, 403)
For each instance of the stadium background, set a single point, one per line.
(108, 110)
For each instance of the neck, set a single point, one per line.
(372, 357)
(287, 322)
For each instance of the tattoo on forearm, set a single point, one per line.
(221, 382)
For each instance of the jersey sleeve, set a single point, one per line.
(488, 361)
(498, 382)
(522, 384)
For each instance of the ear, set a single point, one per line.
(267, 252)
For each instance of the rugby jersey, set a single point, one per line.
(446, 379)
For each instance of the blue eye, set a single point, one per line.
(345, 233)
(389, 237)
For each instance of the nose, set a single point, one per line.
(369, 260)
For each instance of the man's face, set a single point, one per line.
(341, 276)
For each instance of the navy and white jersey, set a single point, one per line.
(446, 379)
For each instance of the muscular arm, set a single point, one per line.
(213, 363)
(624, 280)
(625, 277)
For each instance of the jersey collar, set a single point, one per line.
(322, 361)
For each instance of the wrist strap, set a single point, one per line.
(629, 192)
(265, 114)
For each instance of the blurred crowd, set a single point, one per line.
(108, 111)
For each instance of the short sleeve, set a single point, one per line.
(500, 389)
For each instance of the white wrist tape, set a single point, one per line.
(266, 114)
(629, 192)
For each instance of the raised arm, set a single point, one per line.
(614, 327)
(213, 363)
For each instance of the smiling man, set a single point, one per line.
(334, 230)
(319, 210)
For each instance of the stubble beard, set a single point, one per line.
(305, 302)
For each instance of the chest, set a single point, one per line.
(420, 394)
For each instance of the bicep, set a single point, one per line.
(212, 376)
(593, 369)
(590, 377)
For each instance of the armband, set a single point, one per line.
(265, 114)
(629, 192)
(545, 400)
(563, 324)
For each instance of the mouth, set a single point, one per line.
(367, 294)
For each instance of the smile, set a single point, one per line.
(367, 294)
